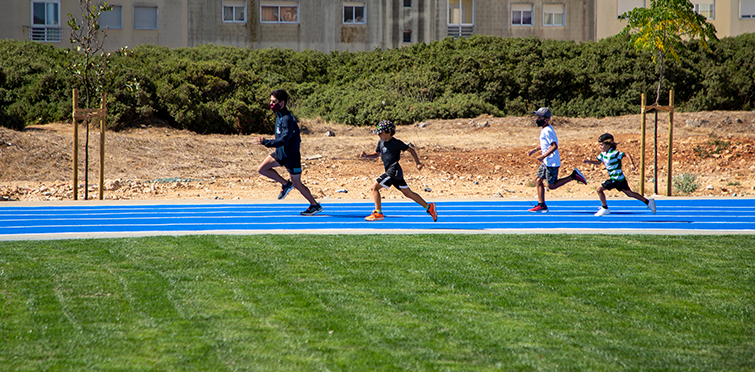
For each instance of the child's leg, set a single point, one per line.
(540, 190)
(376, 196)
(602, 195)
(560, 182)
(635, 195)
(414, 196)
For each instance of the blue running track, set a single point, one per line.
(674, 215)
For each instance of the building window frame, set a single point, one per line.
(151, 26)
(461, 12)
(45, 21)
(407, 3)
(407, 37)
(354, 13)
(279, 12)
(117, 16)
(706, 9)
(521, 15)
(624, 6)
(234, 11)
(554, 15)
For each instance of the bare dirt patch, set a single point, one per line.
(465, 158)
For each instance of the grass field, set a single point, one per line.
(379, 303)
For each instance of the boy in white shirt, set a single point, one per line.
(551, 161)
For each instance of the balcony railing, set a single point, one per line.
(460, 31)
(46, 34)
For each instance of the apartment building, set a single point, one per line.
(730, 17)
(330, 25)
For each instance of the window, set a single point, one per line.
(234, 11)
(521, 14)
(407, 3)
(279, 11)
(353, 14)
(553, 15)
(747, 9)
(706, 8)
(112, 19)
(407, 36)
(624, 6)
(460, 12)
(145, 18)
(45, 21)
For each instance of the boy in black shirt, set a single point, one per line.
(389, 149)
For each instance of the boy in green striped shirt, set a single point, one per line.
(612, 160)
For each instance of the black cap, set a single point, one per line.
(605, 137)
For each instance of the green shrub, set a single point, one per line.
(223, 89)
(685, 183)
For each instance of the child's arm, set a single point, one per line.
(415, 156)
(590, 161)
(536, 149)
(372, 155)
(631, 161)
(551, 150)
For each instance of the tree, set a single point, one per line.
(89, 62)
(663, 28)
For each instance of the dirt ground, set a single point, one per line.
(484, 157)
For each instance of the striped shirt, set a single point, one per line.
(612, 160)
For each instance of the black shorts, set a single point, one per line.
(618, 185)
(292, 163)
(387, 181)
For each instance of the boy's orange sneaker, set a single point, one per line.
(375, 216)
(431, 211)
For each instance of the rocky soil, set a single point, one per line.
(484, 157)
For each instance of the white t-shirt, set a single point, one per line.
(547, 137)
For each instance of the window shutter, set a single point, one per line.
(145, 18)
(627, 5)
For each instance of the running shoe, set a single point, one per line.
(651, 205)
(539, 209)
(431, 211)
(375, 216)
(602, 212)
(577, 175)
(312, 210)
(285, 189)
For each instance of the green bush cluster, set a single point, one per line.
(222, 89)
(685, 183)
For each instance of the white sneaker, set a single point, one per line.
(651, 205)
(602, 212)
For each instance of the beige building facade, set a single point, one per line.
(337, 25)
(730, 17)
(159, 22)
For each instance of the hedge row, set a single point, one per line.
(221, 89)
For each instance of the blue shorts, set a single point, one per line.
(549, 174)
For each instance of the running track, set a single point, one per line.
(675, 216)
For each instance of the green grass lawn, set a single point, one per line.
(379, 302)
